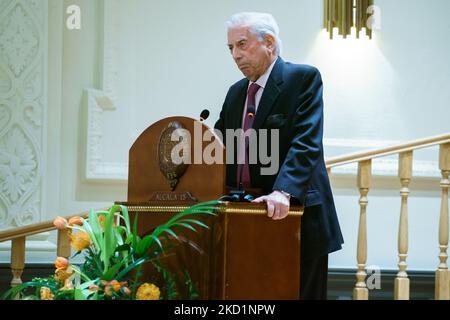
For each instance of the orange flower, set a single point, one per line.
(115, 285)
(101, 220)
(148, 291)
(75, 220)
(80, 240)
(93, 287)
(60, 223)
(61, 263)
(108, 291)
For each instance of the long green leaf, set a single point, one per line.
(143, 244)
(109, 275)
(171, 233)
(110, 240)
(96, 227)
(17, 289)
(194, 222)
(185, 225)
(126, 218)
(155, 238)
(82, 275)
(135, 233)
(131, 267)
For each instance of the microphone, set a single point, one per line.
(204, 115)
(251, 111)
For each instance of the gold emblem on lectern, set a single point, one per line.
(171, 170)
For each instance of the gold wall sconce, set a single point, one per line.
(345, 14)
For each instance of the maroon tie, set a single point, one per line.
(244, 176)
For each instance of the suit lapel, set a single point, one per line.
(270, 94)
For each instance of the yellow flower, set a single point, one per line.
(61, 263)
(46, 294)
(60, 223)
(80, 240)
(62, 274)
(148, 291)
(68, 285)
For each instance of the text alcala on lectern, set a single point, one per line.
(244, 254)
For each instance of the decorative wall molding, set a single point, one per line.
(23, 105)
(96, 168)
(98, 101)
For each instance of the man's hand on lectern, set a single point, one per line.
(277, 205)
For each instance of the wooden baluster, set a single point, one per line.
(442, 289)
(17, 261)
(401, 285)
(63, 244)
(360, 292)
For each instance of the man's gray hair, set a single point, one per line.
(260, 24)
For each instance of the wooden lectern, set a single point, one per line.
(244, 254)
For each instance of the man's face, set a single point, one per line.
(251, 56)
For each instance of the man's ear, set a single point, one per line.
(270, 41)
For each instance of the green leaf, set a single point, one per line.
(96, 228)
(157, 241)
(110, 240)
(126, 218)
(78, 271)
(124, 247)
(171, 233)
(194, 222)
(185, 225)
(109, 275)
(80, 294)
(144, 244)
(135, 233)
(135, 264)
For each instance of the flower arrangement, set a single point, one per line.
(114, 255)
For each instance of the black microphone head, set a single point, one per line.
(251, 111)
(204, 115)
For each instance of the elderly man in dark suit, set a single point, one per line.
(286, 97)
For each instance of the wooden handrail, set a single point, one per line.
(386, 151)
(32, 229)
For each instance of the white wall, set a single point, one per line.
(163, 58)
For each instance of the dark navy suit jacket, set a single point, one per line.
(292, 103)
